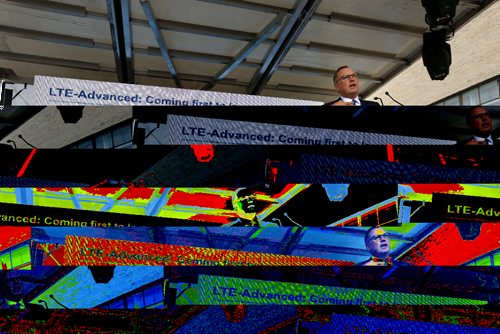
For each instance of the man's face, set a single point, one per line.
(346, 83)
(248, 203)
(203, 153)
(378, 243)
(480, 122)
(15, 286)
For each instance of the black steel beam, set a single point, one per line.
(289, 34)
(121, 35)
(248, 49)
(148, 10)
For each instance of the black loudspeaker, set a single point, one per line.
(139, 137)
(149, 115)
(439, 12)
(5, 95)
(71, 114)
(469, 231)
(102, 274)
(436, 54)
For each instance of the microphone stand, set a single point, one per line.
(387, 93)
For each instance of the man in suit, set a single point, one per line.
(378, 244)
(347, 85)
(479, 121)
(11, 291)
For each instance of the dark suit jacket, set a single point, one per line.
(363, 102)
(464, 142)
(395, 263)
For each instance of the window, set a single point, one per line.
(452, 101)
(485, 261)
(485, 94)
(104, 141)
(86, 144)
(489, 91)
(496, 259)
(21, 256)
(135, 301)
(119, 136)
(153, 295)
(5, 259)
(122, 135)
(150, 297)
(471, 97)
(117, 304)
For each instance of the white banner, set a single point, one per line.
(182, 130)
(64, 91)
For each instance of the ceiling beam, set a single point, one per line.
(339, 18)
(197, 29)
(289, 34)
(49, 61)
(121, 36)
(146, 6)
(370, 54)
(52, 6)
(175, 54)
(47, 36)
(247, 50)
(234, 82)
(260, 7)
(368, 23)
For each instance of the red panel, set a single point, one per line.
(11, 236)
(101, 191)
(436, 188)
(445, 247)
(213, 219)
(201, 200)
(137, 193)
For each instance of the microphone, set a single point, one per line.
(54, 298)
(12, 142)
(378, 98)
(387, 93)
(44, 302)
(287, 216)
(423, 258)
(277, 221)
(24, 140)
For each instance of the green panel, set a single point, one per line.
(496, 258)
(214, 290)
(21, 256)
(485, 261)
(5, 258)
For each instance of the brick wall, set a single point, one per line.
(48, 130)
(475, 53)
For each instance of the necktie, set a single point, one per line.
(16, 305)
(386, 262)
(488, 141)
(354, 102)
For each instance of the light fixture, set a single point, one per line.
(436, 54)
(439, 12)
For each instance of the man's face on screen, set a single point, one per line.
(378, 243)
(480, 122)
(15, 285)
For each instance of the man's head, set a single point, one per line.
(479, 121)
(12, 286)
(203, 152)
(346, 82)
(244, 203)
(377, 242)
